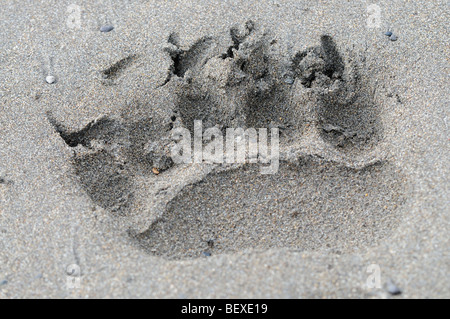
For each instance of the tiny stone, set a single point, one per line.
(389, 33)
(207, 254)
(289, 80)
(50, 79)
(393, 37)
(106, 28)
(3, 282)
(393, 289)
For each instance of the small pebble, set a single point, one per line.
(207, 254)
(3, 282)
(393, 289)
(289, 80)
(389, 33)
(106, 28)
(50, 79)
(393, 37)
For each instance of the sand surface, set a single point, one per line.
(362, 191)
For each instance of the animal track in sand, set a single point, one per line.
(330, 191)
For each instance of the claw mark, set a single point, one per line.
(333, 59)
(114, 70)
(75, 248)
(85, 135)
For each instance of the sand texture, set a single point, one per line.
(91, 196)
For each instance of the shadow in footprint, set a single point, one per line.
(101, 177)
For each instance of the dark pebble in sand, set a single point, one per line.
(106, 28)
(389, 33)
(393, 289)
(207, 254)
(3, 282)
(393, 37)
